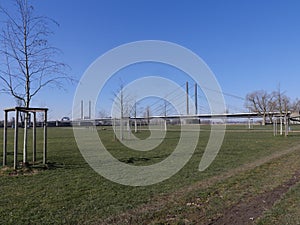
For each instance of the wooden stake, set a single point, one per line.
(34, 138)
(45, 138)
(5, 139)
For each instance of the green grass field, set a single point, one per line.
(250, 163)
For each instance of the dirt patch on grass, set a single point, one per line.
(245, 212)
(28, 169)
(266, 200)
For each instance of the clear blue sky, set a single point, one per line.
(249, 45)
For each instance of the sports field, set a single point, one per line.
(254, 179)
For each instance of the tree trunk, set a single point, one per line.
(25, 139)
(26, 123)
(271, 119)
(264, 120)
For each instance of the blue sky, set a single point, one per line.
(249, 45)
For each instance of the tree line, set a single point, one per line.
(263, 102)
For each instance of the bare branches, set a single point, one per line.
(123, 102)
(263, 102)
(28, 62)
(259, 101)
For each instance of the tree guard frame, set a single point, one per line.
(16, 126)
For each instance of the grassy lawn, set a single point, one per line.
(69, 191)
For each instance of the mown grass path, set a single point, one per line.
(242, 212)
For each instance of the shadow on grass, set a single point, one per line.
(132, 160)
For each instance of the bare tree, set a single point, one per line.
(103, 113)
(282, 105)
(123, 107)
(295, 105)
(123, 101)
(282, 102)
(28, 59)
(260, 102)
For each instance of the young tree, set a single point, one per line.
(282, 105)
(28, 59)
(122, 106)
(282, 102)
